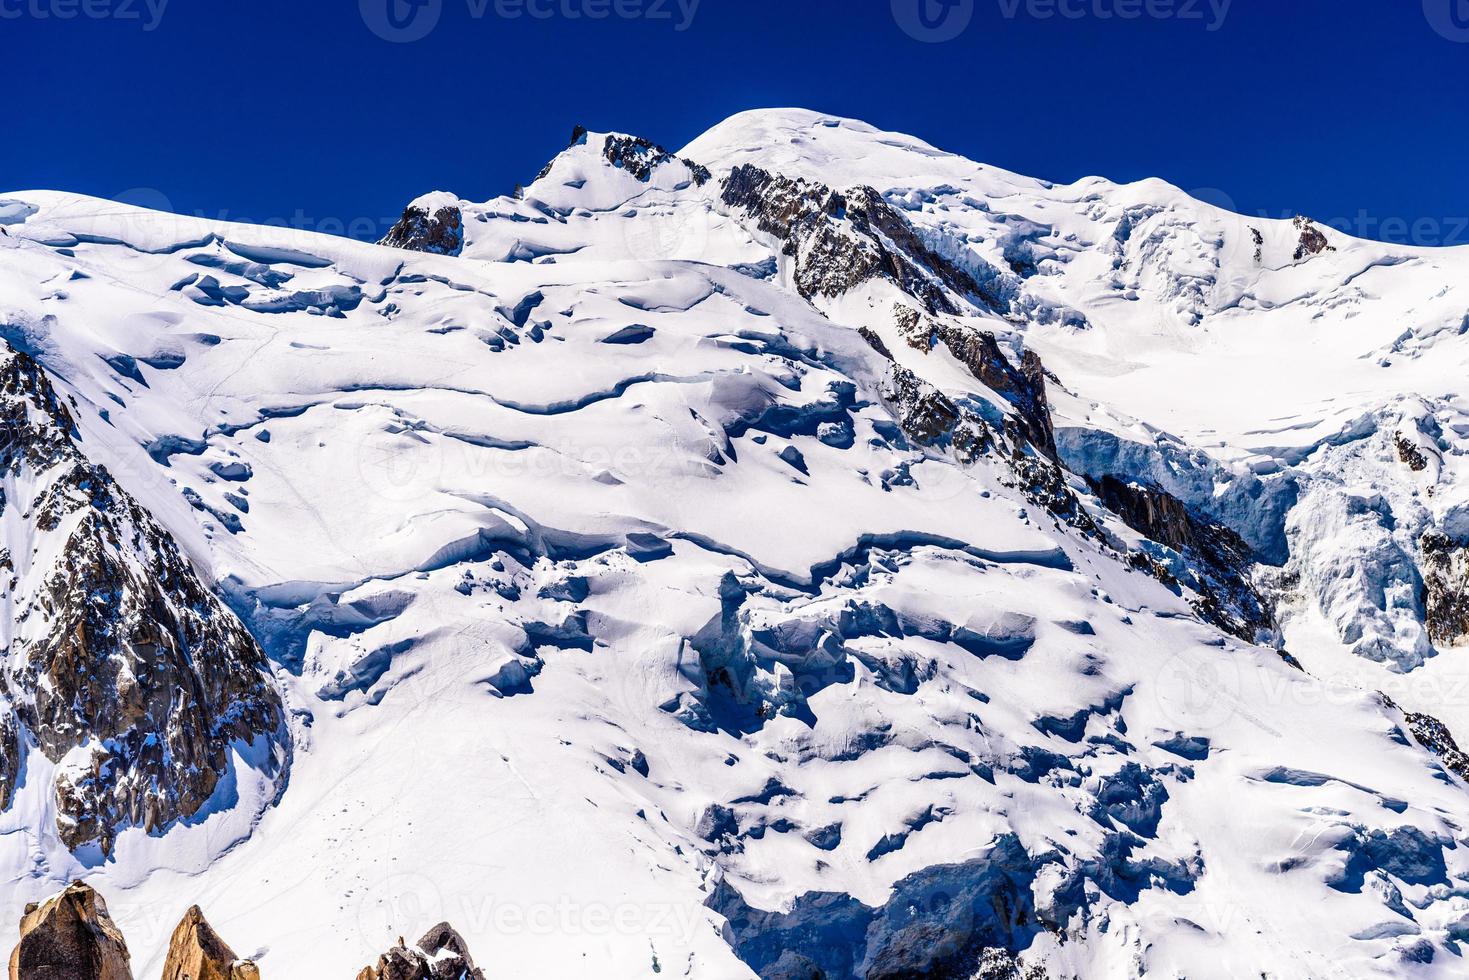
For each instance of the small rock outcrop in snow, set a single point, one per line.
(428, 226)
(1312, 241)
(70, 937)
(641, 157)
(441, 954)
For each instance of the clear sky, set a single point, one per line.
(327, 113)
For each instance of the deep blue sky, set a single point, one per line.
(270, 109)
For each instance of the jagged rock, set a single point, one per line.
(1434, 736)
(641, 157)
(1023, 386)
(1410, 454)
(1217, 561)
(1154, 512)
(70, 937)
(197, 953)
(875, 342)
(441, 954)
(925, 413)
(1445, 568)
(122, 667)
(843, 239)
(930, 418)
(441, 233)
(1312, 242)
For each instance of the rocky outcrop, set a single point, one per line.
(931, 418)
(441, 233)
(441, 954)
(638, 156)
(978, 350)
(1216, 562)
(121, 666)
(641, 157)
(197, 953)
(1312, 241)
(1434, 736)
(70, 937)
(840, 240)
(1445, 569)
(1409, 454)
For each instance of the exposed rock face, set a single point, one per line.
(843, 239)
(638, 156)
(441, 954)
(1409, 454)
(70, 937)
(1023, 386)
(1312, 242)
(121, 666)
(197, 953)
(1217, 561)
(641, 157)
(441, 233)
(930, 418)
(1434, 736)
(1445, 568)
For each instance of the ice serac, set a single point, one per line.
(70, 936)
(196, 952)
(441, 954)
(122, 668)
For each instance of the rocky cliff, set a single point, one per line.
(122, 668)
(70, 937)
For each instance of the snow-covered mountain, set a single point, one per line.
(805, 554)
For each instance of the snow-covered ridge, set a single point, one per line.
(617, 567)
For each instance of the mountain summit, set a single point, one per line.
(806, 553)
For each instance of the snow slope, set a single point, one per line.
(637, 614)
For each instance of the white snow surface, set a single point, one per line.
(478, 541)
